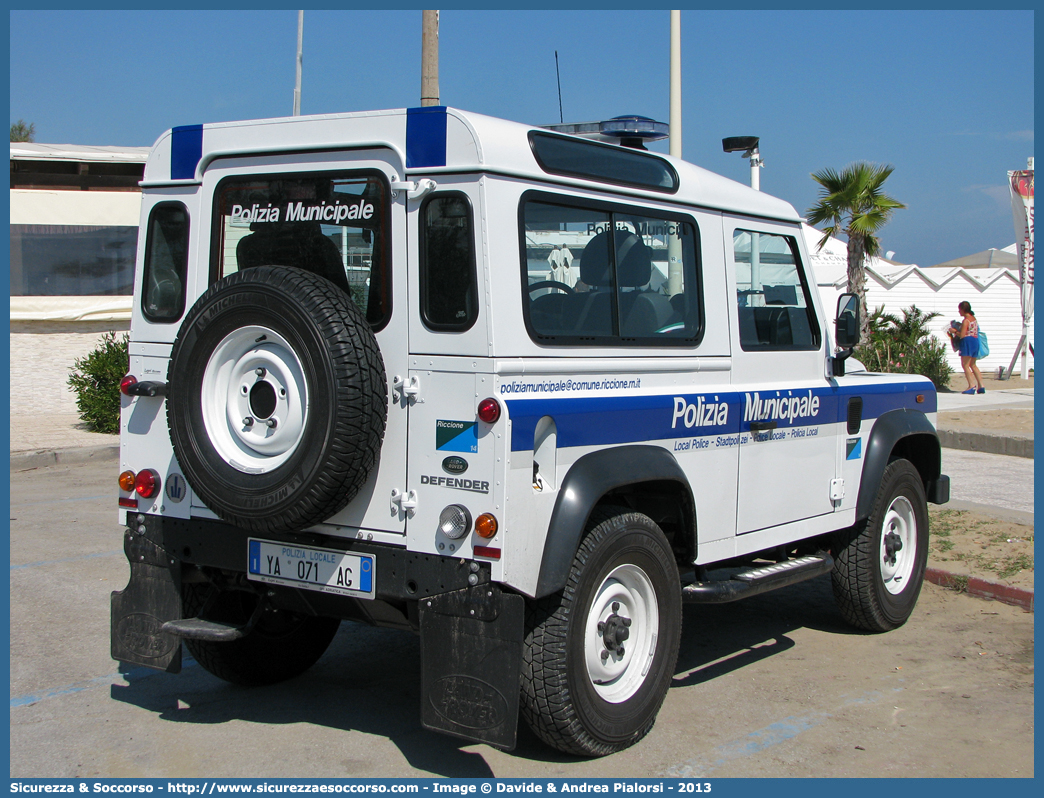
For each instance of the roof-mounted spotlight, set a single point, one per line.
(748, 145)
(740, 144)
(629, 131)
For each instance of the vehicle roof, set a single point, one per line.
(472, 142)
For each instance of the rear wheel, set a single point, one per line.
(600, 654)
(879, 567)
(281, 646)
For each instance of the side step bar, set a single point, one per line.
(758, 580)
(200, 628)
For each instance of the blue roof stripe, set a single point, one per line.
(425, 137)
(186, 150)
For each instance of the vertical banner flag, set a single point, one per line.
(1022, 207)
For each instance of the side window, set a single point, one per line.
(166, 262)
(603, 275)
(775, 309)
(333, 225)
(448, 287)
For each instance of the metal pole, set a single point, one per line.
(755, 165)
(675, 270)
(300, 62)
(430, 59)
(676, 120)
(1024, 371)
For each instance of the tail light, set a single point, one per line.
(489, 410)
(127, 383)
(147, 483)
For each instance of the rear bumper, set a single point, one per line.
(401, 575)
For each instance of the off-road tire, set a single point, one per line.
(320, 352)
(865, 584)
(282, 645)
(560, 702)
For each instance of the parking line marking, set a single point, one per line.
(757, 741)
(67, 559)
(61, 501)
(773, 734)
(130, 677)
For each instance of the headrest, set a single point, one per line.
(633, 260)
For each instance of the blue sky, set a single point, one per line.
(944, 96)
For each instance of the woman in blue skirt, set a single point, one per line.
(969, 348)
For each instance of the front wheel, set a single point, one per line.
(599, 655)
(879, 567)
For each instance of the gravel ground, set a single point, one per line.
(968, 543)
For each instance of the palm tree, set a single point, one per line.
(853, 203)
(20, 131)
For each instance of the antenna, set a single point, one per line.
(561, 118)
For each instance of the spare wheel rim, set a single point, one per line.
(626, 599)
(254, 399)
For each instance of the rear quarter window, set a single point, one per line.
(166, 263)
(448, 282)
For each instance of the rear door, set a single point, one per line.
(347, 199)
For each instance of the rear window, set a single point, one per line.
(334, 225)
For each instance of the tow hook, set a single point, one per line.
(614, 631)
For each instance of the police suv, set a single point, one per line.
(520, 392)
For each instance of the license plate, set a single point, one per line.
(323, 570)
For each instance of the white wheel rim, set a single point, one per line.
(899, 527)
(615, 676)
(235, 393)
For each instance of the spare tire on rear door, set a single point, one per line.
(277, 399)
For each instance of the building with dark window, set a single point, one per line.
(74, 232)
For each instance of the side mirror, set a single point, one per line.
(846, 331)
(846, 326)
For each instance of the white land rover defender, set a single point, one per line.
(522, 393)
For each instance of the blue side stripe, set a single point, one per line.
(186, 150)
(425, 137)
(609, 420)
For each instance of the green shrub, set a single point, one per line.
(96, 380)
(905, 346)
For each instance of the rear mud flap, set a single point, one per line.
(471, 663)
(151, 598)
